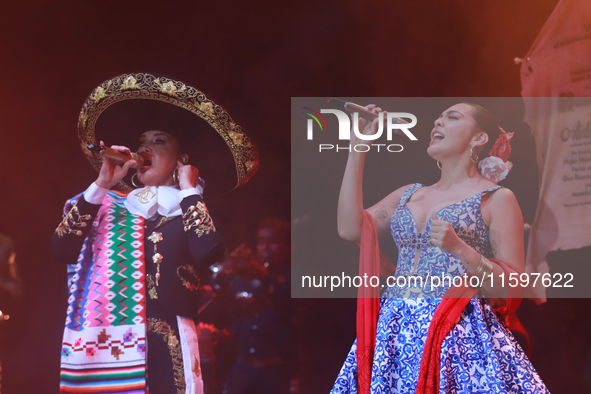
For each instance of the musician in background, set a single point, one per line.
(262, 335)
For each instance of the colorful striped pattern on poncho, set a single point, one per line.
(104, 345)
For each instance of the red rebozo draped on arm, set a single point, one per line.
(371, 259)
(445, 317)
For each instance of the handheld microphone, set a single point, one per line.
(118, 156)
(365, 113)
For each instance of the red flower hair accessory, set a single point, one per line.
(502, 146)
(496, 167)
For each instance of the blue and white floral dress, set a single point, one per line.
(479, 355)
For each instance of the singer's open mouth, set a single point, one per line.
(146, 166)
(147, 161)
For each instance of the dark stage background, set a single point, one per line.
(251, 57)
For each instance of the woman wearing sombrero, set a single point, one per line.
(138, 254)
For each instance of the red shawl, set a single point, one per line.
(445, 317)
(368, 302)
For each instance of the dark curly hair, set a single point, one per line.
(486, 122)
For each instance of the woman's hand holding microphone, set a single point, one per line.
(111, 172)
(367, 127)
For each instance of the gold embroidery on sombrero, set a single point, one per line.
(129, 83)
(251, 164)
(206, 108)
(99, 94)
(236, 137)
(170, 87)
(148, 86)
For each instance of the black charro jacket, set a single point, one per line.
(187, 243)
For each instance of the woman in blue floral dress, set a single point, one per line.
(448, 229)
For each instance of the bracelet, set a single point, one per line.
(484, 269)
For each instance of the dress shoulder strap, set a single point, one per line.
(492, 189)
(409, 192)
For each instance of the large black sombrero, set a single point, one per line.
(150, 102)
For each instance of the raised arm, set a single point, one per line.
(350, 206)
(79, 212)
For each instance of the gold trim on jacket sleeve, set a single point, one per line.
(72, 220)
(197, 217)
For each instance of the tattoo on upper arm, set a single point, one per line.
(382, 213)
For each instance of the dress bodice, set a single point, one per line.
(466, 219)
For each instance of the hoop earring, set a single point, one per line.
(175, 176)
(133, 180)
(439, 165)
(472, 154)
